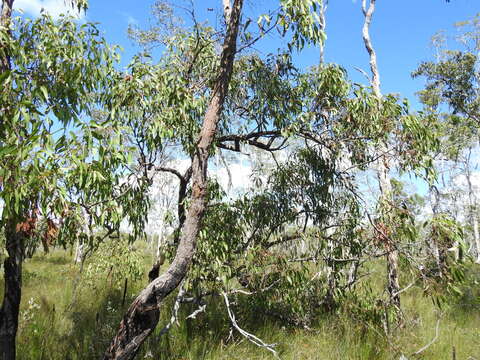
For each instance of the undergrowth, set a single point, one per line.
(59, 322)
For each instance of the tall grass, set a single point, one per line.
(58, 323)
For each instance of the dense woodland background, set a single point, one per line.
(221, 202)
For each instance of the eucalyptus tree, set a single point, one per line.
(407, 144)
(270, 104)
(202, 85)
(452, 95)
(56, 160)
(142, 316)
(383, 165)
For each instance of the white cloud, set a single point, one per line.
(53, 7)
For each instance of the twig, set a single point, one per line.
(405, 288)
(201, 308)
(250, 337)
(176, 306)
(431, 342)
(363, 72)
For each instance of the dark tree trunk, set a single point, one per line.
(14, 240)
(13, 290)
(143, 315)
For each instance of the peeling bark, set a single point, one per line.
(143, 315)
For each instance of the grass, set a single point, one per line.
(56, 324)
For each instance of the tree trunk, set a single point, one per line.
(143, 315)
(79, 252)
(473, 208)
(382, 164)
(393, 284)
(352, 274)
(323, 27)
(14, 240)
(476, 237)
(5, 20)
(159, 256)
(331, 276)
(13, 290)
(433, 245)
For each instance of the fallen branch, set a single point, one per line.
(405, 288)
(176, 306)
(431, 342)
(250, 337)
(201, 308)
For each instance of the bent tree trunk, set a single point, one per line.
(13, 290)
(143, 314)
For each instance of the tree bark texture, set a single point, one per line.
(393, 285)
(143, 314)
(9, 311)
(14, 239)
(382, 164)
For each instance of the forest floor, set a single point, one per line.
(57, 322)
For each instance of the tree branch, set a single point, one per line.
(250, 337)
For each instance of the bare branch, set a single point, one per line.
(176, 306)
(405, 288)
(252, 139)
(431, 342)
(250, 337)
(171, 171)
(201, 308)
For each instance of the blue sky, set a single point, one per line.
(401, 31)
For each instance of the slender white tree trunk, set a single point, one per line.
(323, 26)
(472, 199)
(383, 161)
(79, 252)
